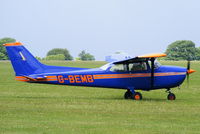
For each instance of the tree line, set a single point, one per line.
(54, 54)
(64, 54)
(178, 50)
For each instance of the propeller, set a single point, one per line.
(188, 68)
(189, 71)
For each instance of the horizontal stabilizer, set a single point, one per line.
(36, 78)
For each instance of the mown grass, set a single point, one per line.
(51, 109)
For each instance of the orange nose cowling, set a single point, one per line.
(190, 71)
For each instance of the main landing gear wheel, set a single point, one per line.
(128, 95)
(137, 96)
(171, 96)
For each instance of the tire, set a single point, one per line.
(171, 96)
(127, 95)
(137, 96)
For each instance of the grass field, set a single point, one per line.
(27, 108)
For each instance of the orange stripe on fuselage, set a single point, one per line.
(51, 77)
(110, 76)
(120, 76)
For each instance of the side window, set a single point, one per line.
(140, 66)
(118, 68)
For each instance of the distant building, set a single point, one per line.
(117, 56)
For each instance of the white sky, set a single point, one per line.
(101, 27)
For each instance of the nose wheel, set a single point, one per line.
(170, 96)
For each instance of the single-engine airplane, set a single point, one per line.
(138, 73)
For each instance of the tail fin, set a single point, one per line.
(23, 62)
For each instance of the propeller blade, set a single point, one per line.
(188, 68)
(189, 71)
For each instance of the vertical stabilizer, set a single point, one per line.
(23, 62)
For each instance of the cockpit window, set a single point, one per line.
(140, 66)
(118, 68)
(131, 67)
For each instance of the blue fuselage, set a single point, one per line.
(164, 77)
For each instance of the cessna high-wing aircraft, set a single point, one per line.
(138, 73)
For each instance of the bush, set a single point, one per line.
(62, 51)
(55, 57)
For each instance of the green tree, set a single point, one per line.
(181, 50)
(86, 56)
(198, 54)
(3, 53)
(2, 56)
(56, 51)
(55, 57)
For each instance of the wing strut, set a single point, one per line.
(152, 71)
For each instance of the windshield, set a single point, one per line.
(106, 66)
(156, 64)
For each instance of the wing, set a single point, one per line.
(140, 58)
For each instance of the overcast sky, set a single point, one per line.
(101, 27)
